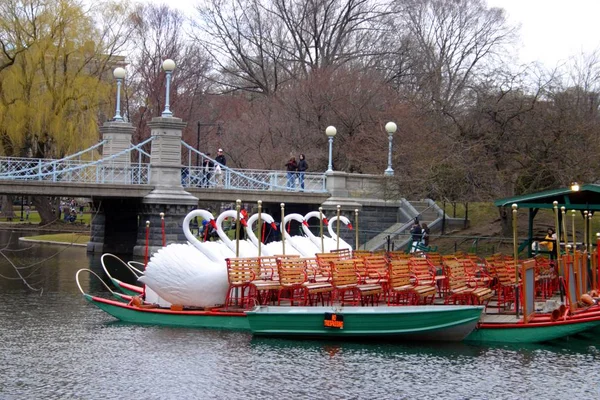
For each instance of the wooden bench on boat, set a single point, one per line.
(345, 281)
(295, 286)
(343, 254)
(401, 288)
(376, 271)
(361, 253)
(240, 274)
(424, 277)
(459, 290)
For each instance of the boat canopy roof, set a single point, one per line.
(586, 197)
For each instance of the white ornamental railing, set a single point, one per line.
(246, 179)
(71, 170)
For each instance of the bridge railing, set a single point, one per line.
(245, 179)
(107, 170)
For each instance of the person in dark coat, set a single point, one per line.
(302, 167)
(416, 233)
(207, 170)
(291, 167)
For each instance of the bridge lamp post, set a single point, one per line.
(168, 66)
(119, 74)
(390, 127)
(330, 132)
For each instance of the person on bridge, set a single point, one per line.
(221, 158)
(207, 168)
(291, 166)
(221, 161)
(302, 167)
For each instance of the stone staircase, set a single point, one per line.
(399, 233)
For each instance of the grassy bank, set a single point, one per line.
(67, 238)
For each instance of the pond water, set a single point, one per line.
(54, 345)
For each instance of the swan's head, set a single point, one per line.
(274, 225)
(346, 221)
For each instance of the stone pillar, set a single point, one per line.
(168, 195)
(118, 137)
(96, 243)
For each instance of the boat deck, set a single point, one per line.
(499, 318)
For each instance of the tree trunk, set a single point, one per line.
(7, 207)
(48, 208)
(505, 221)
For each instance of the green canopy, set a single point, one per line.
(586, 198)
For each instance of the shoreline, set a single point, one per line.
(53, 242)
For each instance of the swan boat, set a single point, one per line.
(422, 323)
(291, 321)
(312, 321)
(440, 323)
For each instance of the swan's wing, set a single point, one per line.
(181, 276)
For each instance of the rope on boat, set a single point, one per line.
(97, 276)
(137, 273)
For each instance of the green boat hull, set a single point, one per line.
(531, 333)
(423, 323)
(164, 317)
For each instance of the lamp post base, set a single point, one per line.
(388, 172)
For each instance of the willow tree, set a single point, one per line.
(54, 90)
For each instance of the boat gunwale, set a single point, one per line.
(355, 310)
(158, 310)
(533, 324)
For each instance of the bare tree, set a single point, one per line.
(450, 42)
(260, 46)
(159, 35)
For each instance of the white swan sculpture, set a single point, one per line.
(245, 250)
(331, 242)
(251, 244)
(181, 274)
(314, 239)
(292, 247)
(215, 251)
(186, 273)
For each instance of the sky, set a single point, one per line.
(551, 30)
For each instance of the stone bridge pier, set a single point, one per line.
(119, 225)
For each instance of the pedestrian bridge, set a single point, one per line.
(133, 167)
(132, 184)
